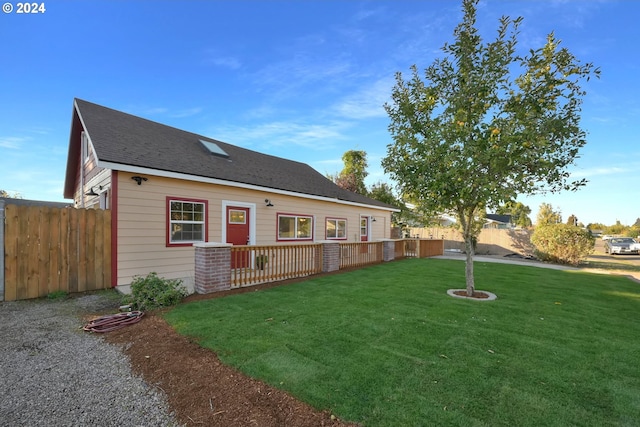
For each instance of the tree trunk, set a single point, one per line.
(469, 249)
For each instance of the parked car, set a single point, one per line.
(621, 245)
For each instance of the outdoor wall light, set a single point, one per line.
(92, 192)
(138, 179)
(268, 202)
(373, 219)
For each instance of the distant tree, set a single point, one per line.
(485, 125)
(572, 220)
(618, 228)
(546, 215)
(596, 226)
(14, 195)
(353, 173)
(637, 223)
(518, 211)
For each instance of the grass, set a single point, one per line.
(617, 264)
(386, 346)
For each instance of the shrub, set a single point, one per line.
(150, 292)
(562, 243)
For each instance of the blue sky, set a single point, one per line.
(304, 80)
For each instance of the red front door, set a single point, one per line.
(364, 234)
(238, 234)
(364, 229)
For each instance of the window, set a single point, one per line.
(237, 216)
(86, 149)
(295, 227)
(336, 228)
(186, 221)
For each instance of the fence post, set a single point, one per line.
(330, 256)
(388, 250)
(2, 250)
(212, 267)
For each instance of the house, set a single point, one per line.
(168, 189)
(498, 221)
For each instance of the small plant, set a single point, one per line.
(261, 261)
(150, 292)
(57, 295)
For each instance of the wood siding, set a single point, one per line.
(142, 222)
(55, 249)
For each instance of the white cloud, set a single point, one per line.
(274, 134)
(186, 113)
(367, 102)
(13, 142)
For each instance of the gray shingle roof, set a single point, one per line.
(124, 139)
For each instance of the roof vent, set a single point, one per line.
(214, 149)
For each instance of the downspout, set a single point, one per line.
(82, 139)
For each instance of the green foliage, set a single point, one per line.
(354, 172)
(151, 292)
(572, 220)
(385, 346)
(562, 243)
(519, 213)
(57, 295)
(483, 125)
(547, 215)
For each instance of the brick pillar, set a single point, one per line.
(388, 250)
(330, 256)
(213, 267)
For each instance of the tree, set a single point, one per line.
(6, 194)
(519, 213)
(474, 133)
(572, 220)
(354, 172)
(547, 215)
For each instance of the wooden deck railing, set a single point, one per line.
(252, 265)
(360, 254)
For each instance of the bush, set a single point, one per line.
(150, 292)
(562, 243)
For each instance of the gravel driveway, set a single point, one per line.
(54, 374)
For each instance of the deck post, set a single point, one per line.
(388, 249)
(213, 267)
(330, 256)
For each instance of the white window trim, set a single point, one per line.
(170, 222)
(346, 229)
(252, 219)
(295, 232)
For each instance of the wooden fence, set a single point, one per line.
(261, 264)
(55, 249)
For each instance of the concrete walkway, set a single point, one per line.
(505, 260)
(633, 275)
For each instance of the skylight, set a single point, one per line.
(214, 149)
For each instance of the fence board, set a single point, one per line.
(50, 249)
(11, 254)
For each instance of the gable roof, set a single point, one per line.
(122, 141)
(505, 219)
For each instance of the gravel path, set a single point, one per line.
(54, 374)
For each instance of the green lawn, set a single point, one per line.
(385, 345)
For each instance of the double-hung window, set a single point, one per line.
(295, 227)
(187, 221)
(336, 228)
